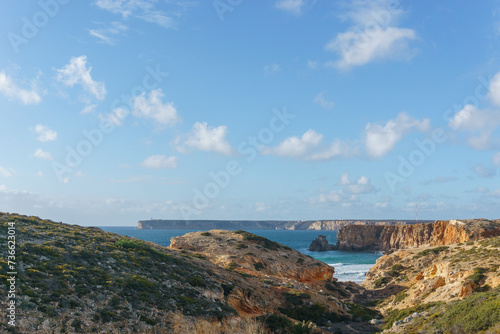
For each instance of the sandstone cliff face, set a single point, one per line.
(359, 237)
(436, 273)
(390, 238)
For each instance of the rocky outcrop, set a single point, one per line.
(249, 253)
(390, 238)
(320, 244)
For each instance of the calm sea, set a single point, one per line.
(349, 266)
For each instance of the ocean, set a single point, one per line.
(349, 266)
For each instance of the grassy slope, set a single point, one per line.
(82, 279)
(74, 275)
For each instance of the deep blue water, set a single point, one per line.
(349, 266)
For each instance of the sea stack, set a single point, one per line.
(320, 244)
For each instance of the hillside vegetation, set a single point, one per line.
(73, 279)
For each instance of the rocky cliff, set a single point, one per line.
(332, 225)
(390, 238)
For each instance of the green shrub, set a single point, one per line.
(479, 312)
(396, 315)
(206, 234)
(197, 281)
(435, 250)
(477, 276)
(316, 313)
(241, 246)
(296, 297)
(381, 281)
(400, 297)
(258, 266)
(362, 312)
(300, 260)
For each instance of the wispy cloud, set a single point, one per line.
(374, 35)
(484, 171)
(322, 102)
(160, 162)
(41, 154)
(12, 90)
(77, 72)
(438, 180)
(107, 35)
(271, 69)
(45, 133)
(6, 172)
(146, 10)
(290, 6)
(133, 179)
(205, 138)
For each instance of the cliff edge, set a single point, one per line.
(390, 238)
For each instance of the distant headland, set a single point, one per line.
(318, 225)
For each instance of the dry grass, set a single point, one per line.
(234, 326)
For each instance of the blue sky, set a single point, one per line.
(118, 110)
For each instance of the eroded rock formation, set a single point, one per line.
(320, 244)
(249, 253)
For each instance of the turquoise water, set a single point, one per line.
(349, 266)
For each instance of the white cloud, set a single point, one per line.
(76, 72)
(88, 109)
(296, 147)
(333, 196)
(151, 106)
(45, 133)
(160, 162)
(373, 36)
(117, 116)
(308, 147)
(12, 91)
(39, 153)
(272, 69)
(105, 35)
(205, 138)
(291, 6)
(380, 139)
(496, 159)
(494, 91)
(480, 122)
(4, 172)
(348, 194)
(336, 149)
(320, 100)
(362, 186)
(344, 179)
(145, 10)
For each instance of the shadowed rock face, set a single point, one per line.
(320, 244)
(390, 238)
